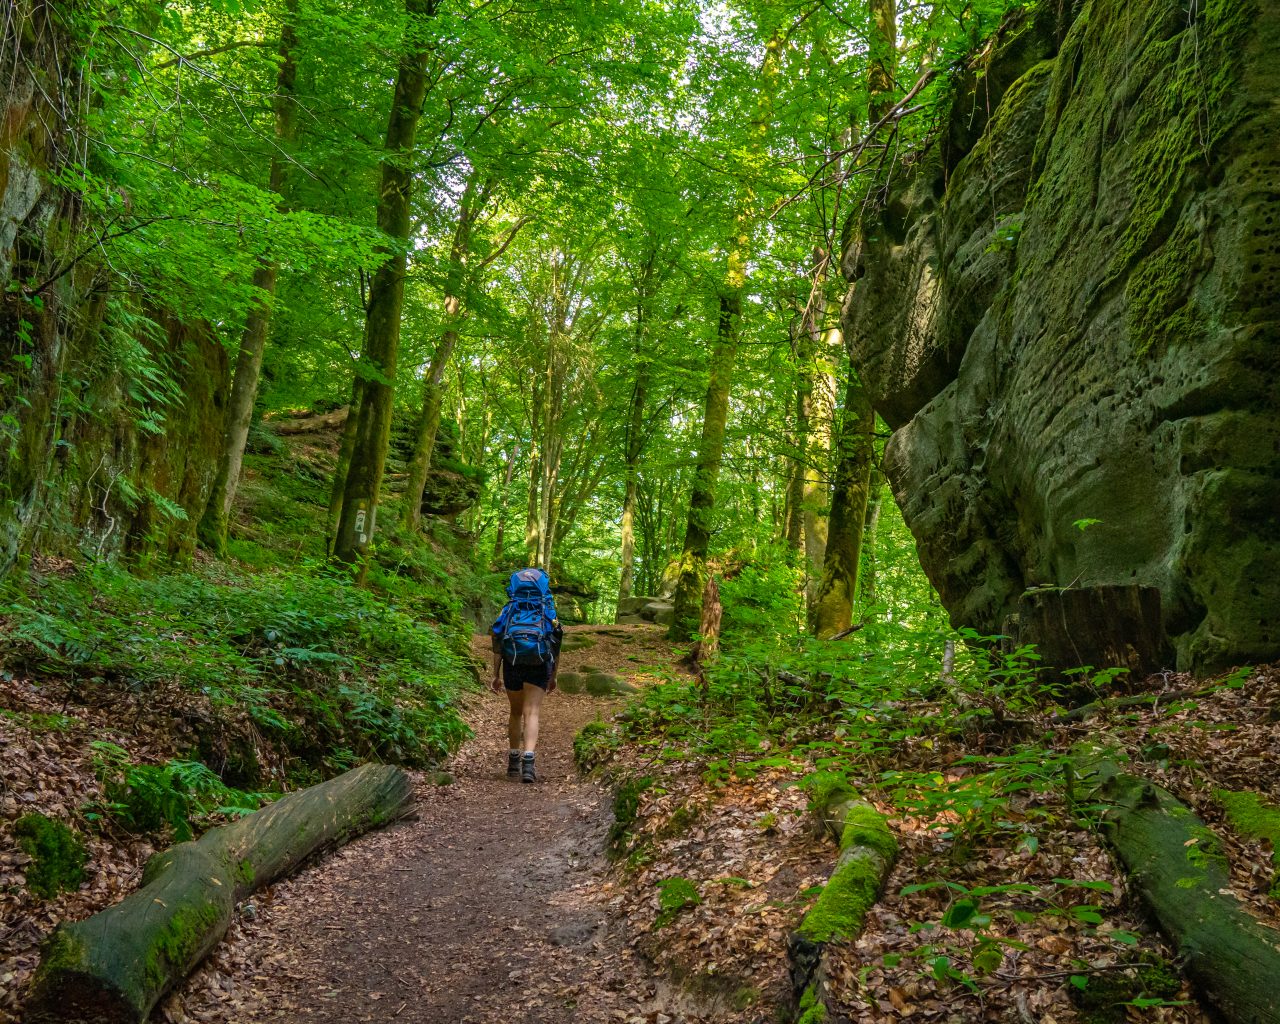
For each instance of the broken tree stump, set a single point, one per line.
(1176, 864)
(114, 966)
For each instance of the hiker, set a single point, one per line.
(526, 655)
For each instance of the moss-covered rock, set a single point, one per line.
(57, 853)
(605, 684)
(1067, 308)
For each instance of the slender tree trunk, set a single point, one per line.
(867, 589)
(833, 610)
(244, 387)
(386, 296)
(432, 385)
(800, 434)
(499, 533)
(882, 50)
(532, 534)
(635, 430)
(339, 486)
(833, 605)
(825, 343)
(428, 426)
(702, 502)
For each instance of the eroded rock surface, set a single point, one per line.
(1067, 310)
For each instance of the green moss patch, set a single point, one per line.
(842, 908)
(1106, 998)
(674, 896)
(626, 811)
(593, 744)
(812, 1009)
(865, 826)
(57, 852)
(1253, 817)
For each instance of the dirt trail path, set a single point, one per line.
(492, 906)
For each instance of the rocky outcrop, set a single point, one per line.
(110, 409)
(1067, 310)
(634, 611)
(452, 486)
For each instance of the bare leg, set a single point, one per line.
(532, 704)
(515, 727)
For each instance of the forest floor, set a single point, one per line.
(492, 905)
(501, 902)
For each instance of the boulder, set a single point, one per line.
(1066, 309)
(636, 611)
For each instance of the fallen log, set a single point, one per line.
(867, 852)
(114, 966)
(1110, 704)
(1176, 864)
(307, 424)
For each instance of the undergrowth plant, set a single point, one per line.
(323, 668)
(178, 796)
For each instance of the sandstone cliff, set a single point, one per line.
(1067, 309)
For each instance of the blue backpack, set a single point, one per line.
(527, 623)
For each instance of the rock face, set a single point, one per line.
(109, 431)
(1067, 309)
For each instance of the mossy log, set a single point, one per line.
(114, 966)
(867, 852)
(1176, 864)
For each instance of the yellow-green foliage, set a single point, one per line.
(1251, 816)
(57, 855)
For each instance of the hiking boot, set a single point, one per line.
(527, 774)
(513, 764)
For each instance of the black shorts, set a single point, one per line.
(516, 677)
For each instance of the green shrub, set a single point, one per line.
(319, 665)
(177, 795)
(57, 853)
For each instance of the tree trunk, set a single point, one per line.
(875, 501)
(499, 533)
(532, 538)
(882, 51)
(432, 389)
(1178, 867)
(867, 851)
(820, 391)
(244, 387)
(635, 430)
(428, 426)
(832, 611)
(340, 468)
(702, 502)
(357, 521)
(115, 965)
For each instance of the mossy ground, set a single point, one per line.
(1253, 817)
(1105, 998)
(57, 852)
